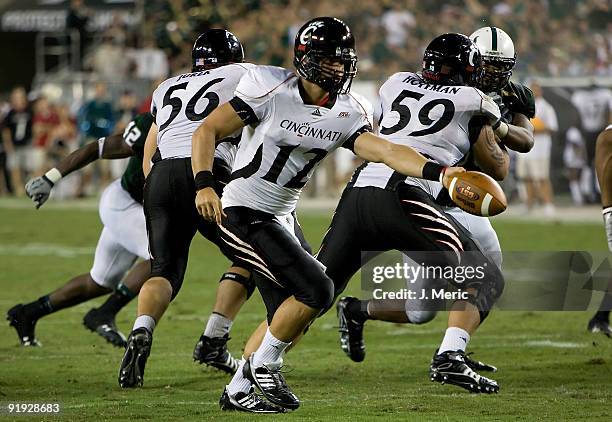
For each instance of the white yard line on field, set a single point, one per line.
(45, 249)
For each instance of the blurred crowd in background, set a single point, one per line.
(551, 37)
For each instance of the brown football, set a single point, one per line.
(477, 193)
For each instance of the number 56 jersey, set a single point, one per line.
(285, 139)
(436, 120)
(181, 103)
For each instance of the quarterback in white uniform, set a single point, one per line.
(292, 122)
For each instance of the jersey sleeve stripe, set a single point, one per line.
(350, 142)
(244, 111)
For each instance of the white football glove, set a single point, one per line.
(607, 216)
(490, 109)
(39, 189)
(497, 98)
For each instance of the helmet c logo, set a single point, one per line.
(307, 31)
(471, 58)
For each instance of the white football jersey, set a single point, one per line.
(432, 119)
(181, 103)
(594, 106)
(286, 139)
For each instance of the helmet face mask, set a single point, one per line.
(498, 57)
(496, 72)
(324, 54)
(214, 48)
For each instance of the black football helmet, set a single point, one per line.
(216, 47)
(452, 59)
(326, 39)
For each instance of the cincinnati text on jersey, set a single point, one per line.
(304, 129)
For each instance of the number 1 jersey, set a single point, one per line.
(181, 103)
(285, 139)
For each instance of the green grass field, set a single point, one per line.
(550, 367)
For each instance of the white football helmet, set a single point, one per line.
(498, 56)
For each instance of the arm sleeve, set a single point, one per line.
(350, 142)
(362, 126)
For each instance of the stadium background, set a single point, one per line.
(61, 50)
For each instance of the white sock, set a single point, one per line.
(217, 325)
(454, 339)
(270, 351)
(239, 382)
(145, 321)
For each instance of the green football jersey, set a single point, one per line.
(135, 135)
(517, 98)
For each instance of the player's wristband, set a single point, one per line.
(101, 146)
(433, 171)
(52, 176)
(500, 128)
(204, 179)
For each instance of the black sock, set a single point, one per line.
(117, 300)
(358, 310)
(39, 308)
(602, 316)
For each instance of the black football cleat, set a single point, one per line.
(477, 365)
(599, 326)
(270, 381)
(451, 368)
(131, 372)
(247, 402)
(23, 325)
(104, 325)
(351, 331)
(213, 352)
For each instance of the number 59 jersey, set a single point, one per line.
(435, 120)
(181, 103)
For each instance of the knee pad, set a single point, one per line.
(247, 282)
(488, 291)
(420, 317)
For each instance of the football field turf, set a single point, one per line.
(550, 367)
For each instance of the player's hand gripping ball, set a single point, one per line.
(477, 193)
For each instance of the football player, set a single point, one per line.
(516, 101)
(292, 121)
(514, 131)
(122, 241)
(440, 113)
(603, 166)
(179, 105)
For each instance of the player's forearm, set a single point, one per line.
(518, 139)
(491, 157)
(400, 158)
(405, 160)
(603, 166)
(520, 135)
(149, 149)
(203, 148)
(79, 158)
